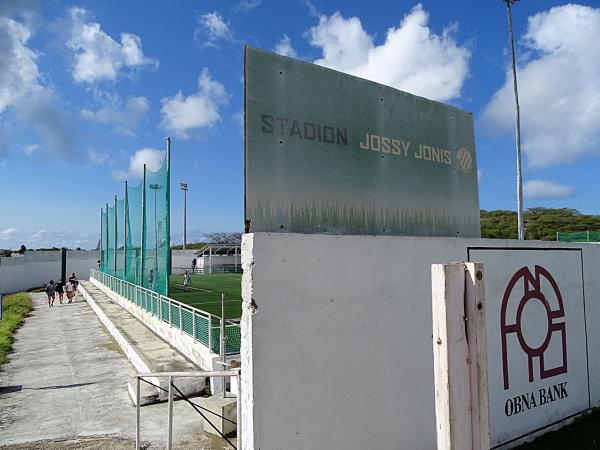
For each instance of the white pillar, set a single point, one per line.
(460, 356)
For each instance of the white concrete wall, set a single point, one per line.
(591, 265)
(36, 268)
(81, 261)
(182, 258)
(337, 354)
(217, 260)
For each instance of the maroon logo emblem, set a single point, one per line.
(528, 286)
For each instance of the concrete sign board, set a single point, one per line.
(327, 152)
(536, 334)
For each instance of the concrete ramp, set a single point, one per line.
(145, 350)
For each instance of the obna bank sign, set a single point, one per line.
(536, 333)
(530, 290)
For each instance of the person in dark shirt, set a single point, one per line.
(60, 290)
(73, 279)
(50, 292)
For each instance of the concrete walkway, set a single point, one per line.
(65, 386)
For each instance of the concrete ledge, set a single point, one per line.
(221, 408)
(196, 352)
(134, 358)
(148, 394)
(139, 360)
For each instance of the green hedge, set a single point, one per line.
(14, 309)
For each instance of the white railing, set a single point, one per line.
(233, 373)
(200, 325)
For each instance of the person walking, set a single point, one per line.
(73, 279)
(60, 290)
(151, 280)
(187, 280)
(51, 292)
(194, 262)
(70, 287)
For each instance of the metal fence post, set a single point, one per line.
(137, 414)
(210, 333)
(180, 318)
(223, 346)
(170, 438)
(194, 324)
(238, 426)
(170, 318)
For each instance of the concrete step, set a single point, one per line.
(148, 394)
(146, 351)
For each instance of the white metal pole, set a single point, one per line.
(194, 323)
(238, 426)
(184, 217)
(223, 346)
(521, 226)
(170, 438)
(210, 333)
(137, 414)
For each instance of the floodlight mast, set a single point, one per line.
(521, 227)
(184, 188)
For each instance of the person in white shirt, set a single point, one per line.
(187, 280)
(70, 288)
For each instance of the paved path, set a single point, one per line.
(65, 386)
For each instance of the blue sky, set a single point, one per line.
(89, 91)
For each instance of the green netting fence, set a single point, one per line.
(579, 236)
(201, 325)
(135, 259)
(135, 232)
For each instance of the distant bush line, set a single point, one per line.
(540, 223)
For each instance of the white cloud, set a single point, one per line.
(18, 68)
(284, 47)
(98, 158)
(559, 88)
(126, 117)
(211, 29)
(36, 106)
(9, 231)
(182, 115)
(412, 58)
(542, 189)
(246, 5)
(97, 55)
(31, 149)
(152, 157)
(42, 110)
(40, 238)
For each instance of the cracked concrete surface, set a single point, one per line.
(65, 387)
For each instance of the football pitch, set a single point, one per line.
(205, 291)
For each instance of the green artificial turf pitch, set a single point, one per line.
(205, 291)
